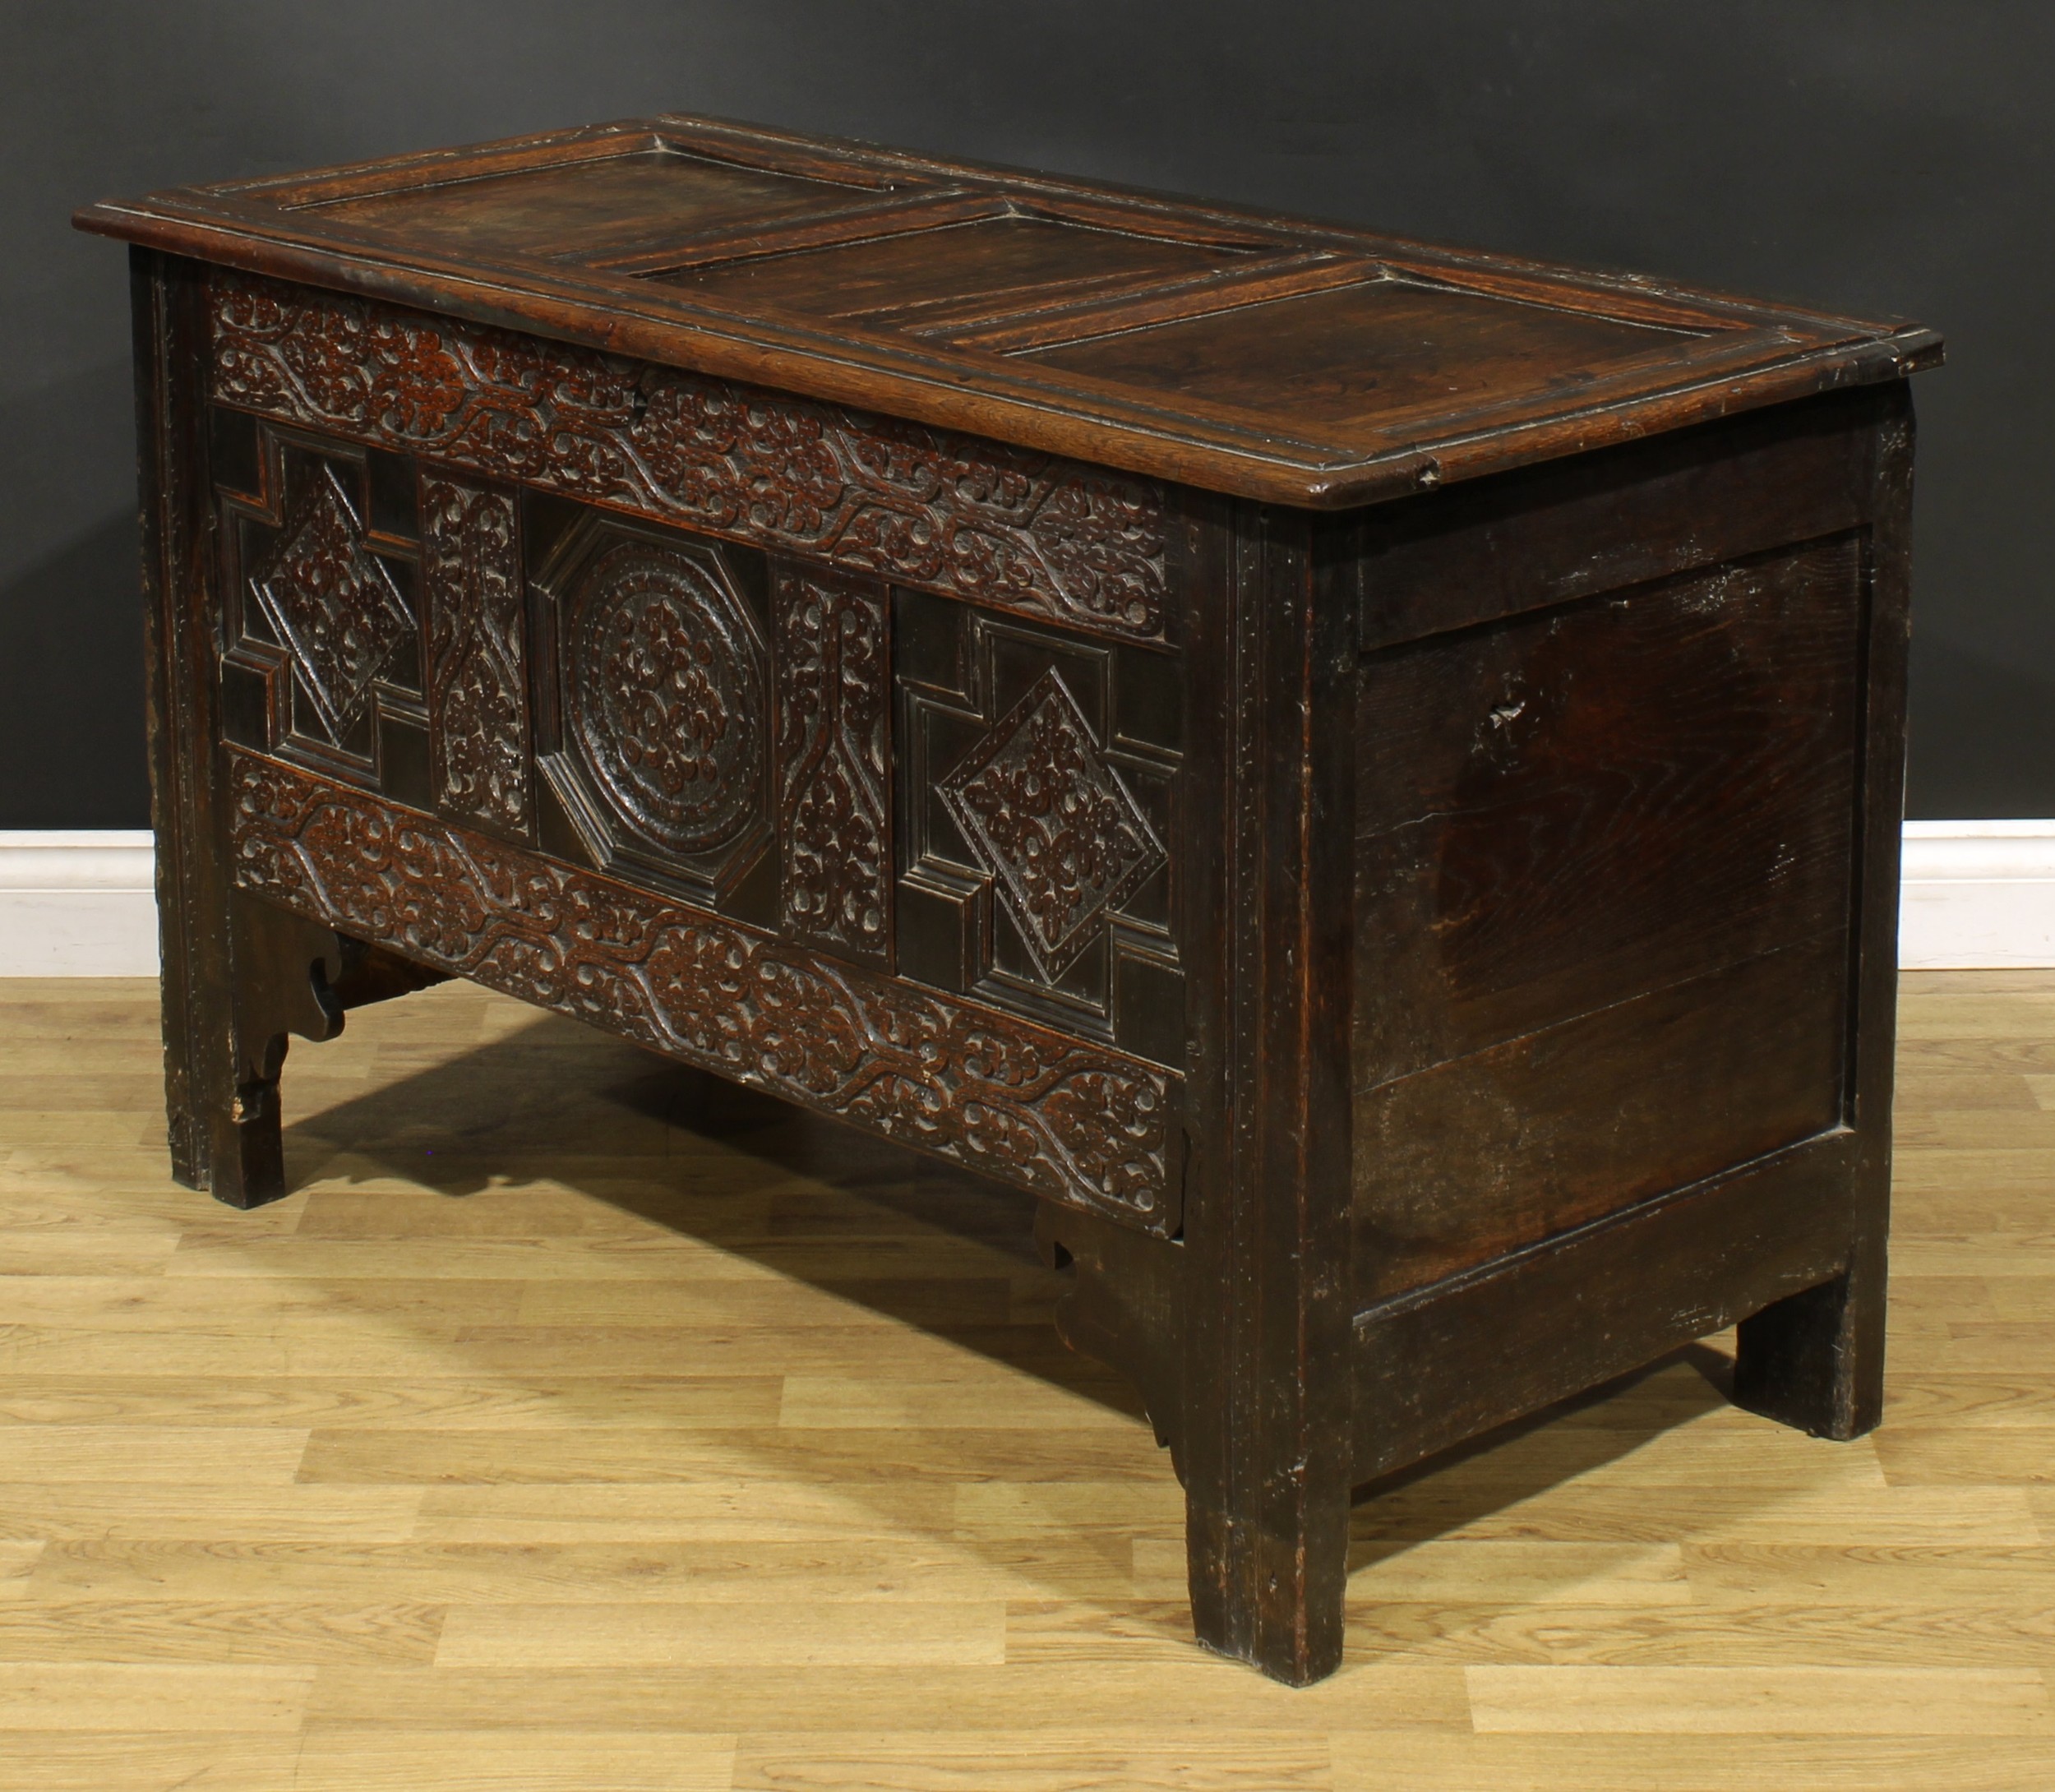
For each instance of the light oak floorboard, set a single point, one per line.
(147, 1761)
(1858, 1702)
(580, 1425)
(337, 1758)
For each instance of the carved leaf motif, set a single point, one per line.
(834, 678)
(477, 697)
(929, 507)
(336, 610)
(1052, 822)
(1075, 1122)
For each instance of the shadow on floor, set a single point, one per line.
(559, 1102)
(596, 1115)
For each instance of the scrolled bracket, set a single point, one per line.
(1125, 1307)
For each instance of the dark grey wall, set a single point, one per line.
(1896, 156)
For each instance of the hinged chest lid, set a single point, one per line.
(1301, 363)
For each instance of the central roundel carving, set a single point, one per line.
(666, 696)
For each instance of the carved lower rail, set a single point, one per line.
(1070, 1120)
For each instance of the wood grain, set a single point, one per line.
(1642, 1590)
(1133, 331)
(1567, 810)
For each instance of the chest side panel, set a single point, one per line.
(1605, 840)
(847, 766)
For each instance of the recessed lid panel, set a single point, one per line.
(984, 259)
(1380, 350)
(605, 203)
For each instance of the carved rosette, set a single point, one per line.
(1072, 1121)
(335, 609)
(950, 513)
(477, 691)
(1052, 823)
(664, 682)
(834, 696)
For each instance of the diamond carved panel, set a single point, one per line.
(1037, 818)
(334, 607)
(1052, 823)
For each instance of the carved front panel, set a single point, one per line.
(926, 507)
(1051, 819)
(663, 680)
(1068, 1119)
(909, 858)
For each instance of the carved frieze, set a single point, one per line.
(1070, 1120)
(926, 507)
(477, 680)
(835, 682)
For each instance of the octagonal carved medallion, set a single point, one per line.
(665, 704)
(662, 749)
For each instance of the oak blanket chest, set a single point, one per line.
(1365, 777)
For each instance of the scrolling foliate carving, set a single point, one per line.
(929, 507)
(477, 684)
(835, 681)
(1072, 1121)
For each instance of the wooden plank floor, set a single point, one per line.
(583, 1426)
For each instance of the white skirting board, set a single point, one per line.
(1978, 895)
(78, 904)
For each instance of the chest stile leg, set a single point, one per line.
(238, 974)
(1816, 1359)
(1268, 1444)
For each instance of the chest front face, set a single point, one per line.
(844, 756)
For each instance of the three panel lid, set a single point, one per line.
(1269, 358)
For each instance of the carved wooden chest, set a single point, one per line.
(1365, 777)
